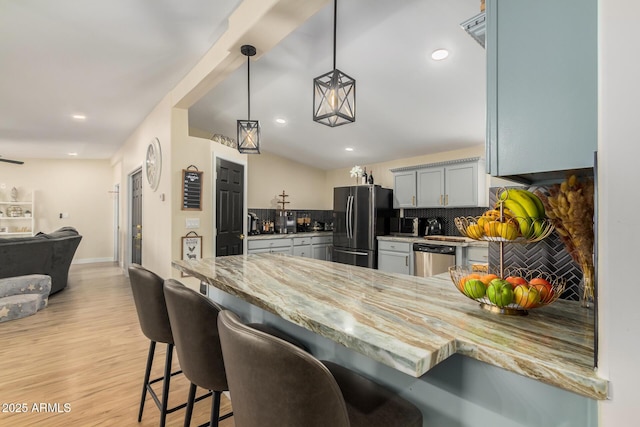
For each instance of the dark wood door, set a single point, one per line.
(136, 218)
(229, 208)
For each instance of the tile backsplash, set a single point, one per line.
(315, 215)
(447, 215)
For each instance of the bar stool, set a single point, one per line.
(275, 384)
(193, 320)
(148, 296)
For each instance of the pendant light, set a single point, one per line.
(248, 130)
(334, 93)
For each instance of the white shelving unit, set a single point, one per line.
(20, 225)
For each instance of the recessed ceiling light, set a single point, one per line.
(281, 121)
(439, 54)
(348, 149)
(79, 117)
(72, 154)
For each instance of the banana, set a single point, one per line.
(521, 216)
(529, 201)
(524, 201)
(535, 199)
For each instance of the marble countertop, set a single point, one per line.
(290, 235)
(411, 323)
(460, 241)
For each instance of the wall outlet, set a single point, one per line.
(192, 223)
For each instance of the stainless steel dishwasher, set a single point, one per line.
(429, 260)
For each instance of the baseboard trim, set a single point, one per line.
(92, 260)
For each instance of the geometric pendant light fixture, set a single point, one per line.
(334, 93)
(248, 130)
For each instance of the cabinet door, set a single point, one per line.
(461, 185)
(302, 250)
(321, 252)
(404, 189)
(394, 262)
(431, 187)
(541, 85)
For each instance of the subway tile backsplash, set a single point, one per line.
(315, 215)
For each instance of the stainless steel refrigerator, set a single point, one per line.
(360, 213)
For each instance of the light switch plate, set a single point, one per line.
(192, 223)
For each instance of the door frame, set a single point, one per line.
(129, 246)
(245, 209)
(116, 223)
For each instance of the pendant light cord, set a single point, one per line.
(335, 20)
(248, 88)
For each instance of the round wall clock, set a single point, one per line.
(153, 163)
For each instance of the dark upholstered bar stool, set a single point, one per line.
(193, 319)
(275, 384)
(148, 295)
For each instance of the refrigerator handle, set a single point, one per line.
(350, 219)
(346, 215)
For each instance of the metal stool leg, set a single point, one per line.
(147, 373)
(190, 403)
(215, 408)
(165, 385)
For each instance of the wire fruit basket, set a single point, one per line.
(510, 290)
(515, 291)
(493, 226)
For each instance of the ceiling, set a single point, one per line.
(113, 61)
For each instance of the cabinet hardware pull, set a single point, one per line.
(446, 200)
(413, 200)
(440, 200)
(406, 261)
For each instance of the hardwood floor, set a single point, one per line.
(86, 354)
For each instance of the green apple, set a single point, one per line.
(474, 288)
(500, 292)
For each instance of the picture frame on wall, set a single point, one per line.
(191, 248)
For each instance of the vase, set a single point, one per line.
(587, 285)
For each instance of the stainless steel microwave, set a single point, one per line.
(413, 227)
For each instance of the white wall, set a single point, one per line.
(270, 175)
(156, 211)
(618, 207)
(80, 188)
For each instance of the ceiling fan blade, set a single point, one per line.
(17, 162)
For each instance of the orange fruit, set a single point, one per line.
(488, 278)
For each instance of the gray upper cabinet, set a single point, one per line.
(460, 183)
(404, 189)
(541, 86)
(431, 187)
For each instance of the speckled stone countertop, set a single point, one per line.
(463, 241)
(411, 323)
(290, 235)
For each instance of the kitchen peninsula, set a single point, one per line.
(398, 329)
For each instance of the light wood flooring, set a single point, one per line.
(85, 351)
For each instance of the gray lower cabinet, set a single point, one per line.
(476, 255)
(321, 247)
(302, 247)
(395, 257)
(279, 245)
(542, 88)
(317, 247)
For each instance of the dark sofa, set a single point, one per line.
(49, 254)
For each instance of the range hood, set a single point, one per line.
(476, 27)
